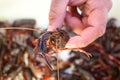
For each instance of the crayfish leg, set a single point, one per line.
(81, 50)
(47, 62)
(84, 52)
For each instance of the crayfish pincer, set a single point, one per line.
(52, 41)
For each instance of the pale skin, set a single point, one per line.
(90, 25)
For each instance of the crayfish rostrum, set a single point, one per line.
(52, 41)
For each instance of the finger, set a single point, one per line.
(96, 27)
(57, 13)
(88, 36)
(74, 20)
(74, 23)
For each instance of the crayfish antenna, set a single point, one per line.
(23, 28)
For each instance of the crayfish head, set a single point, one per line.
(59, 38)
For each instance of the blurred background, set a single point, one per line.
(19, 60)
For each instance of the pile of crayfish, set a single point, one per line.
(27, 53)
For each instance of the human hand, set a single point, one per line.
(90, 25)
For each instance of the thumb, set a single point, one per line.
(57, 13)
(75, 42)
